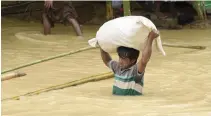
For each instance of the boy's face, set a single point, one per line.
(125, 62)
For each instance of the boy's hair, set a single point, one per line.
(125, 52)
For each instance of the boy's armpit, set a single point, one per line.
(113, 65)
(136, 71)
(139, 76)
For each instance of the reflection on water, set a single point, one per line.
(176, 85)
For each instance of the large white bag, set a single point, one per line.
(128, 31)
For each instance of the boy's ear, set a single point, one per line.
(133, 61)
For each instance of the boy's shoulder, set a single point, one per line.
(114, 66)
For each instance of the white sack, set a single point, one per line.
(128, 31)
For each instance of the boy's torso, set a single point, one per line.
(128, 81)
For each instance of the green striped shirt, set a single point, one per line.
(128, 81)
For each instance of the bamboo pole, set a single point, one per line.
(65, 85)
(47, 59)
(109, 10)
(12, 76)
(88, 48)
(181, 46)
(84, 49)
(198, 7)
(184, 46)
(204, 11)
(126, 7)
(87, 79)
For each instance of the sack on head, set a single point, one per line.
(128, 31)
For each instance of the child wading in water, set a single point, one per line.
(129, 75)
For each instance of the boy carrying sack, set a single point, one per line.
(129, 74)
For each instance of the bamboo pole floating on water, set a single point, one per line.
(204, 11)
(12, 76)
(126, 7)
(109, 10)
(198, 7)
(65, 85)
(88, 48)
(184, 46)
(181, 46)
(80, 81)
(47, 59)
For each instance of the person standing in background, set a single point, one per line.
(59, 11)
(117, 6)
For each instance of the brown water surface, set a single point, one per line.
(178, 84)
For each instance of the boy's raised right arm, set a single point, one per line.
(105, 57)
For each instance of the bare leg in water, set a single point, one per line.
(76, 27)
(46, 24)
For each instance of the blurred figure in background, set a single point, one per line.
(62, 11)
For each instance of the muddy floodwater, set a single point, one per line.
(178, 84)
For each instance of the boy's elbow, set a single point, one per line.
(142, 65)
(144, 62)
(107, 61)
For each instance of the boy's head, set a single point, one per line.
(127, 56)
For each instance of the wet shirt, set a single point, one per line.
(128, 81)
